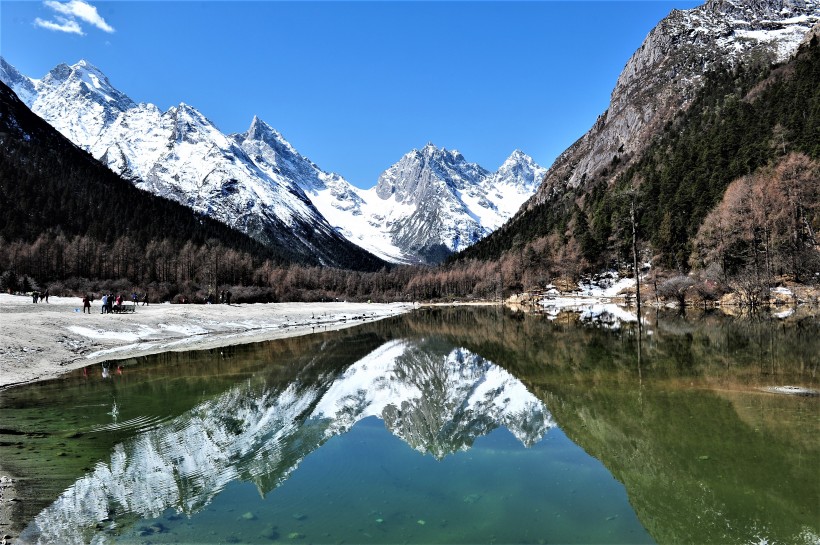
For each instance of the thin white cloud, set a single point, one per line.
(65, 25)
(67, 15)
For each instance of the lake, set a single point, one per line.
(454, 425)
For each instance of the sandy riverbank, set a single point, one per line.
(44, 340)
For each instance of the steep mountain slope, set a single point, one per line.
(433, 202)
(725, 113)
(47, 184)
(22, 86)
(429, 204)
(181, 155)
(665, 73)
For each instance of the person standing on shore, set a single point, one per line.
(104, 306)
(145, 299)
(45, 295)
(87, 303)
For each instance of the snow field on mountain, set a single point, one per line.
(257, 180)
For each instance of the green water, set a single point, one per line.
(369, 487)
(447, 426)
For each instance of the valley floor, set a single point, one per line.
(43, 340)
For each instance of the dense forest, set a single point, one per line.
(729, 189)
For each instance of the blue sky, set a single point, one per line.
(355, 85)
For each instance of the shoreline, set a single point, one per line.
(45, 340)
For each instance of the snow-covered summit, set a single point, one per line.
(22, 86)
(181, 155)
(434, 202)
(259, 130)
(79, 101)
(419, 174)
(88, 80)
(430, 203)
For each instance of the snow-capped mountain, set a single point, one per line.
(22, 86)
(437, 398)
(429, 204)
(181, 155)
(664, 74)
(433, 202)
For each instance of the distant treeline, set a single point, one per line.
(79, 264)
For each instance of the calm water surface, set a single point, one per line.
(445, 426)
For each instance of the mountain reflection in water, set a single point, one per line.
(436, 398)
(451, 425)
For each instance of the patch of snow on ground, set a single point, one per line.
(130, 336)
(184, 329)
(591, 301)
(608, 285)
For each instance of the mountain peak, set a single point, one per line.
(83, 64)
(83, 79)
(757, 9)
(518, 159)
(22, 86)
(518, 156)
(521, 171)
(259, 130)
(432, 152)
(58, 74)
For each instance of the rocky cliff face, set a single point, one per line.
(663, 75)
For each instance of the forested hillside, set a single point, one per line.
(743, 122)
(65, 215)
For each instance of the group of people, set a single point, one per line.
(37, 296)
(110, 303)
(224, 298)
